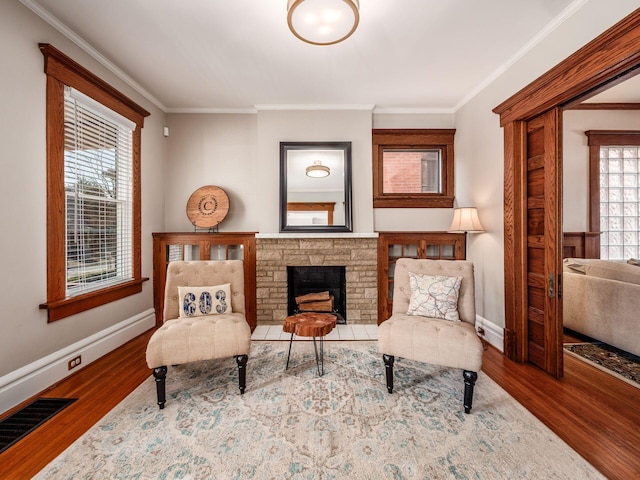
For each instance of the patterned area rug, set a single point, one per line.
(612, 360)
(296, 425)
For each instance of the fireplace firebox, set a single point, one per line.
(304, 280)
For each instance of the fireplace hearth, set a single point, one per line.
(305, 280)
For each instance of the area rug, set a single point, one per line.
(612, 360)
(295, 425)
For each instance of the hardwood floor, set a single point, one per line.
(595, 413)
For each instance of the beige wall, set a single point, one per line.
(241, 154)
(212, 149)
(26, 336)
(576, 158)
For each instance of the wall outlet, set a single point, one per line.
(74, 362)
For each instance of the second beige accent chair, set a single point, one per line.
(436, 341)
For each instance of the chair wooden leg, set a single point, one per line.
(469, 382)
(160, 374)
(388, 367)
(241, 360)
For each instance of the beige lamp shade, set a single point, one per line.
(465, 220)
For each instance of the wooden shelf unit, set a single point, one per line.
(427, 245)
(172, 246)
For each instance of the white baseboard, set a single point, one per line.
(21, 384)
(492, 332)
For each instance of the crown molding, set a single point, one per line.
(260, 107)
(572, 8)
(243, 111)
(413, 111)
(80, 42)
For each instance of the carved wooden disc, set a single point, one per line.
(207, 206)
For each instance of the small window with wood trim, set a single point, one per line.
(413, 168)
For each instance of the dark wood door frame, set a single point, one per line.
(609, 59)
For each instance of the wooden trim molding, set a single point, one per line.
(596, 139)
(62, 70)
(413, 138)
(606, 106)
(69, 72)
(608, 59)
(328, 207)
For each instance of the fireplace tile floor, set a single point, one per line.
(341, 332)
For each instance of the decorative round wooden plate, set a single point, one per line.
(207, 206)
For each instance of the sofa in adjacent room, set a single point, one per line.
(601, 299)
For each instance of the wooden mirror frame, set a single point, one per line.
(286, 147)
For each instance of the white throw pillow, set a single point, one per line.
(434, 296)
(197, 301)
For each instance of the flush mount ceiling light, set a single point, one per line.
(317, 170)
(323, 22)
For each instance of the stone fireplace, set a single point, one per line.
(356, 252)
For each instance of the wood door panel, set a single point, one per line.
(536, 355)
(536, 330)
(535, 261)
(535, 222)
(536, 300)
(543, 209)
(535, 183)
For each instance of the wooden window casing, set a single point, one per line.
(62, 70)
(413, 139)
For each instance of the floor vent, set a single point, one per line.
(20, 423)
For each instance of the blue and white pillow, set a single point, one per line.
(434, 296)
(198, 301)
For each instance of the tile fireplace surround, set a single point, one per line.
(357, 252)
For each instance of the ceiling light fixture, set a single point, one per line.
(317, 170)
(323, 22)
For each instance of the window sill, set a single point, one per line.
(60, 309)
(408, 201)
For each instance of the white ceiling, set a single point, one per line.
(218, 55)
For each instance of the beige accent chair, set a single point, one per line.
(191, 339)
(432, 340)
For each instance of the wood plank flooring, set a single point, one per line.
(595, 413)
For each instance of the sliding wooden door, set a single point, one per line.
(533, 241)
(544, 242)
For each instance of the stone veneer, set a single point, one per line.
(359, 256)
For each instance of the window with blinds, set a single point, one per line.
(98, 189)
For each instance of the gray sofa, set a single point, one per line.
(601, 299)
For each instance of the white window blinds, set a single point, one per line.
(98, 188)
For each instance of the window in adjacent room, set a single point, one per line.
(614, 174)
(93, 190)
(413, 168)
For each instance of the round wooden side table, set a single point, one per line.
(310, 324)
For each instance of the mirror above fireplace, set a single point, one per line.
(315, 187)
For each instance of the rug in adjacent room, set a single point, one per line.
(621, 364)
(295, 425)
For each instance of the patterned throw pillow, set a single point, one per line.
(434, 296)
(197, 301)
